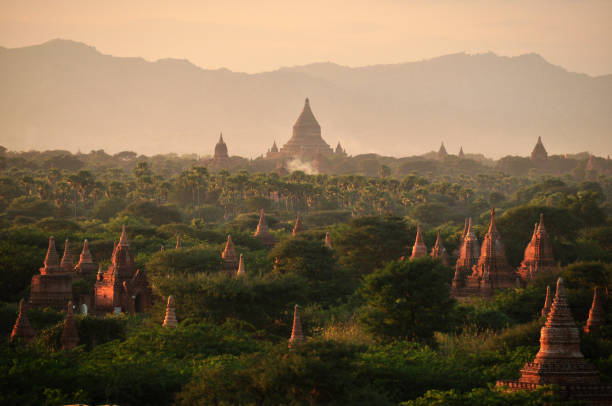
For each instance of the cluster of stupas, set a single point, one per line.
(480, 270)
(121, 287)
(559, 361)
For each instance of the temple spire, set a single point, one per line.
(22, 328)
(51, 259)
(539, 152)
(439, 251)
(547, 302)
(418, 249)
(328, 242)
(442, 151)
(70, 336)
(229, 255)
(241, 271)
(461, 155)
(297, 336)
(263, 232)
(178, 241)
(170, 319)
(123, 239)
(298, 227)
(597, 314)
(85, 257)
(66, 265)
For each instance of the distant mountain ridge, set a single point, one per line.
(66, 95)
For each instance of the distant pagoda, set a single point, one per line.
(419, 249)
(560, 362)
(597, 314)
(469, 252)
(229, 261)
(442, 152)
(306, 140)
(539, 152)
(439, 251)
(263, 232)
(52, 287)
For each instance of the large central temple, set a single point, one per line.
(306, 141)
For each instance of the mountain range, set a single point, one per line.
(66, 95)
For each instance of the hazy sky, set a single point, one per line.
(257, 35)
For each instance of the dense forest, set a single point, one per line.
(380, 330)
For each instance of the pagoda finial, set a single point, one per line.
(439, 251)
(70, 336)
(51, 259)
(178, 241)
(298, 227)
(22, 328)
(547, 302)
(597, 314)
(170, 319)
(85, 257)
(297, 336)
(241, 271)
(66, 265)
(541, 227)
(123, 239)
(221, 138)
(418, 249)
(328, 242)
(492, 228)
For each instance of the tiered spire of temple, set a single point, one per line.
(51, 263)
(597, 314)
(439, 251)
(539, 152)
(547, 302)
(298, 227)
(263, 232)
(560, 362)
(306, 139)
(70, 336)
(297, 336)
(328, 242)
(86, 265)
(241, 270)
(460, 155)
(22, 330)
(170, 319)
(419, 249)
(230, 262)
(469, 252)
(66, 265)
(492, 270)
(221, 149)
(538, 254)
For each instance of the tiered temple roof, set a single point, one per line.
(469, 252)
(439, 251)
(263, 232)
(306, 140)
(539, 152)
(170, 319)
(22, 330)
(538, 254)
(228, 256)
(492, 271)
(419, 249)
(86, 265)
(560, 361)
(297, 336)
(53, 286)
(70, 336)
(597, 314)
(122, 287)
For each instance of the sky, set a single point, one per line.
(254, 36)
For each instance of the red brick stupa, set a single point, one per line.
(263, 232)
(438, 251)
(538, 254)
(597, 314)
(328, 242)
(228, 256)
(539, 152)
(306, 140)
(492, 271)
(297, 336)
(560, 361)
(22, 330)
(53, 286)
(122, 287)
(170, 319)
(419, 249)
(86, 266)
(469, 252)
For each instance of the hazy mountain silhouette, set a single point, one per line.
(64, 94)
